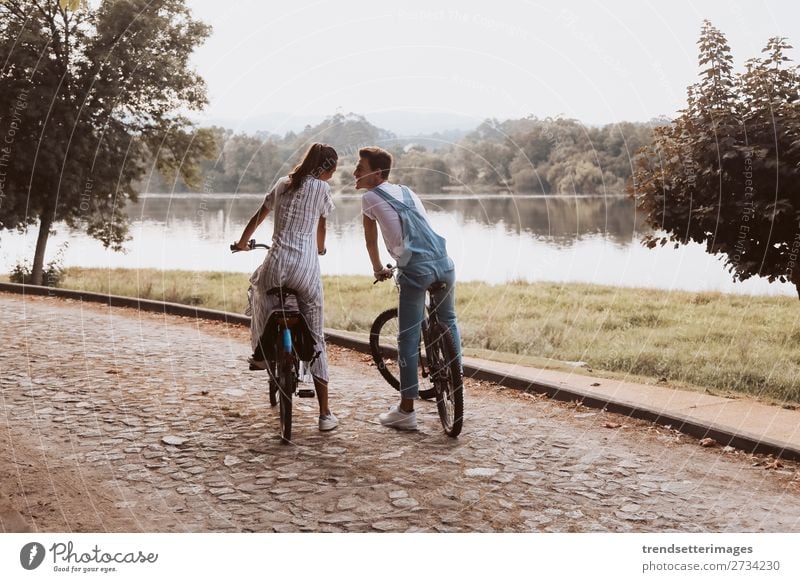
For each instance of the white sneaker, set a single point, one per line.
(399, 419)
(328, 422)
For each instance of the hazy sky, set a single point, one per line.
(599, 62)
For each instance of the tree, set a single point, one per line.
(425, 172)
(726, 172)
(254, 164)
(87, 97)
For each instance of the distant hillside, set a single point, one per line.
(401, 123)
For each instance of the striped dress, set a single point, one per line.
(293, 261)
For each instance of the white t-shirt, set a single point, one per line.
(376, 208)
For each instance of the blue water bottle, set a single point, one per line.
(287, 340)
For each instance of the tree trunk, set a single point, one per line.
(45, 222)
(797, 286)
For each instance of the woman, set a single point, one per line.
(300, 201)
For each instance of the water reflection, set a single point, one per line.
(561, 220)
(495, 239)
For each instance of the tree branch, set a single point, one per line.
(14, 8)
(49, 17)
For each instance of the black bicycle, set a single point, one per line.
(284, 336)
(440, 370)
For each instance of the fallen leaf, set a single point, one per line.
(595, 384)
(612, 425)
(708, 442)
(776, 464)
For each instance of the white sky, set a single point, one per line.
(599, 62)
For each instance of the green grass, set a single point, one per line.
(727, 344)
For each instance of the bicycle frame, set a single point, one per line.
(284, 347)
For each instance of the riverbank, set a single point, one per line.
(712, 342)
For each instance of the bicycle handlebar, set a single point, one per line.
(391, 268)
(251, 244)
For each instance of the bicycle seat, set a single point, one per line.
(282, 291)
(437, 286)
(287, 308)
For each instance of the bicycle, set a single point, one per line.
(280, 341)
(439, 364)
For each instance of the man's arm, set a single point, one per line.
(371, 238)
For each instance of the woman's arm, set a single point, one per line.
(251, 227)
(321, 231)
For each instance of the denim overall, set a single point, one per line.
(423, 263)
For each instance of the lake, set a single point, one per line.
(591, 239)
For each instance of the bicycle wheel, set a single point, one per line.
(447, 379)
(383, 347)
(286, 385)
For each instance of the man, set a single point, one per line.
(422, 260)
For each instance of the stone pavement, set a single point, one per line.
(741, 421)
(118, 420)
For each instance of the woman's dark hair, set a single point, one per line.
(378, 159)
(319, 158)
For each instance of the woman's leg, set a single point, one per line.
(310, 305)
(322, 396)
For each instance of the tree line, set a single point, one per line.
(529, 155)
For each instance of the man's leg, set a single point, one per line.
(411, 312)
(446, 307)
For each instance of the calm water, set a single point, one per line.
(591, 239)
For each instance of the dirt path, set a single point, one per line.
(88, 394)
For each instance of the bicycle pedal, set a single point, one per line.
(306, 393)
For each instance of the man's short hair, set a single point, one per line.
(378, 159)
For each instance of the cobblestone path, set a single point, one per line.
(92, 396)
